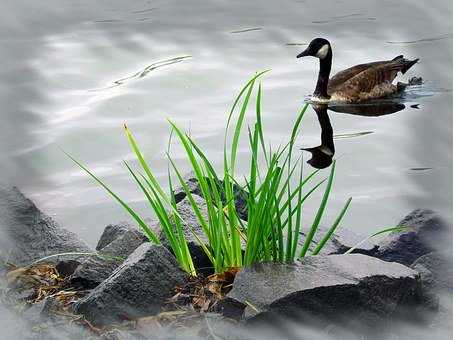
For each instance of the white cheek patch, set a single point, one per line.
(322, 52)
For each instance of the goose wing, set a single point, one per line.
(341, 77)
(377, 76)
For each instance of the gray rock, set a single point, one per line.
(349, 289)
(137, 288)
(96, 269)
(192, 183)
(427, 231)
(199, 257)
(113, 231)
(436, 270)
(240, 194)
(341, 241)
(30, 234)
(66, 267)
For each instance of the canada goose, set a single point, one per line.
(355, 84)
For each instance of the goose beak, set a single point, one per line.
(303, 54)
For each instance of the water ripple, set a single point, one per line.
(142, 73)
(422, 40)
(247, 30)
(344, 18)
(144, 10)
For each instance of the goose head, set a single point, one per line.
(318, 48)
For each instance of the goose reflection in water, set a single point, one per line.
(322, 155)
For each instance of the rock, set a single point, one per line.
(66, 267)
(136, 288)
(113, 231)
(240, 194)
(348, 289)
(31, 234)
(199, 257)
(427, 231)
(436, 270)
(96, 269)
(341, 241)
(192, 183)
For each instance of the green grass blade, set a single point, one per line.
(320, 213)
(383, 231)
(332, 229)
(131, 212)
(237, 130)
(144, 164)
(259, 122)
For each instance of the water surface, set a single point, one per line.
(74, 71)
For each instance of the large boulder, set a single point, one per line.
(426, 232)
(138, 287)
(348, 289)
(96, 269)
(341, 241)
(28, 234)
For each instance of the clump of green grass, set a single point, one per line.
(275, 186)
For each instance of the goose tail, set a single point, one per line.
(407, 64)
(398, 57)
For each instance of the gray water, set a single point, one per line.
(69, 81)
(74, 71)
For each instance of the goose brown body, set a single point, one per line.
(356, 84)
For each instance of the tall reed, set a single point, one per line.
(275, 189)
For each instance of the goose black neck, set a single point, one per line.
(325, 65)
